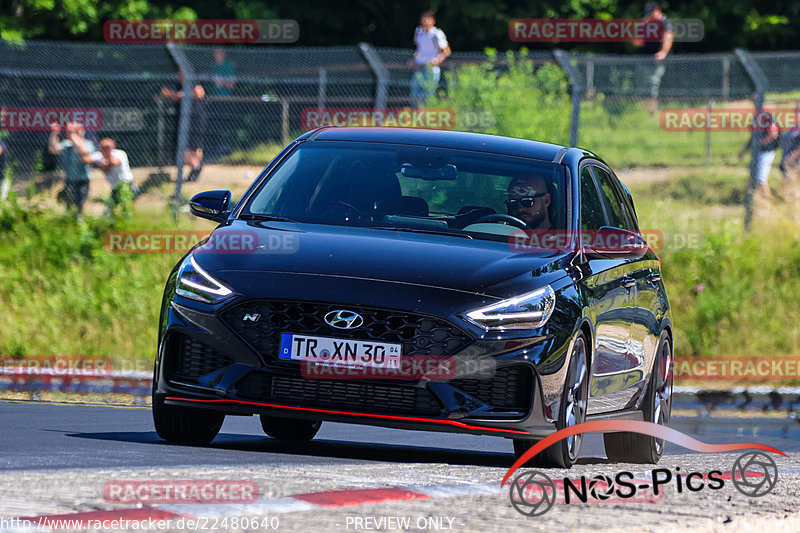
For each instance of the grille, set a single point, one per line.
(339, 394)
(419, 334)
(196, 359)
(509, 388)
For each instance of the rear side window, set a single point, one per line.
(613, 199)
(592, 215)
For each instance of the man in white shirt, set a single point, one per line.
(432, 49)
(115, 166)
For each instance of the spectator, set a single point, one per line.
(193, 156)
(73, 153)
(115, 166)
(767, 137)
(223, 75)
(432, 49)
(650, 73)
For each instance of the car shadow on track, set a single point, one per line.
(330, 448)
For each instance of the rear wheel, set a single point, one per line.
(290, 428)
(185, 425)
(635, 447)
(572, 411)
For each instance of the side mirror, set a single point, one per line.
(212, 205)
(612, 243)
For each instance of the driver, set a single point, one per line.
(529, 201)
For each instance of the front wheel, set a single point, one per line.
(572, 412)
(644, 449)
(185, 425)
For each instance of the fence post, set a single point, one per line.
(708, 131)
(160, 133)
(578, 88)
(185, 122)
(380, 71)
(321, 89)
(726, 78)
(284, 122)
(760, 82)
(590, 78)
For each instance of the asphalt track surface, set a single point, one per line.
(57, 460)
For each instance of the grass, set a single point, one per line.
(64, 294)
(732, 293)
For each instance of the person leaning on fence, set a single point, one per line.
(193, 156)
(432, 49)
(767, 137)
(114, 164)
(649, 73)
(223, 77)
(74, 157)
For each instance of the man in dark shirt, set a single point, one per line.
(649, 73)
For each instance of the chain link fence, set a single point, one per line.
(246, 102)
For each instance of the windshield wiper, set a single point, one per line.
(266, 218)
(421, 230)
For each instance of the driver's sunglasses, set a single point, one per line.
(528, 201)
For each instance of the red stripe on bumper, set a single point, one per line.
(366, 415)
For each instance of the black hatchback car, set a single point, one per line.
(417, 279)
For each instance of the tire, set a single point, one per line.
(572, 411)
(185, 425)
(644, 449)
(290, 428)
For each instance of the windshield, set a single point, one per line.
(411, 188)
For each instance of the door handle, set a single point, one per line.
(627, 282)
(654, 278)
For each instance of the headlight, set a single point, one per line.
(195, 283)
(528, 311)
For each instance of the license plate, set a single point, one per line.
(344, 352)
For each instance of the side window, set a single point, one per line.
(592, 215)
(613, 199)
(630, 210)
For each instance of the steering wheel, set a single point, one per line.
(502, 219)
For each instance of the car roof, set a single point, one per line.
(441, 139)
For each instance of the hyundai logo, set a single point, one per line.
(343, 319)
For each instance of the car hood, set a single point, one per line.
(469, 265)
